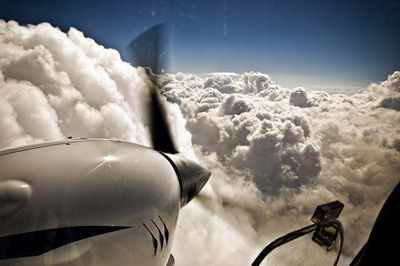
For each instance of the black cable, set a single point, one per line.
(296, 234)
(282, 240)
(338, 225)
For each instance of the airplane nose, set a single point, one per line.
(192, 176)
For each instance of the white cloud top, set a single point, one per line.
(274, 153)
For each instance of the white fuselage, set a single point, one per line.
(119, 199)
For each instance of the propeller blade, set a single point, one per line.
(211, 205)
(160, 130)
(148, 50)
(206, 201)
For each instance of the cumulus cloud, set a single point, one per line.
(298, 97)
(291, 150)
(56, 84)
(274, 153)
(392, 102)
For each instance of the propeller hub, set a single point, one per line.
(192, 176)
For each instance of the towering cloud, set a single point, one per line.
(55, 84)
(274, 153)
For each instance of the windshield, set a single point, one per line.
(290, 104)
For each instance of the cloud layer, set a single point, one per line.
(275, 154)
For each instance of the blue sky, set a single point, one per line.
(298, 43)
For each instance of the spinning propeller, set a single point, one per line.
(147, 47)
(192, 177)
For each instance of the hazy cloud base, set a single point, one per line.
(275, 154)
